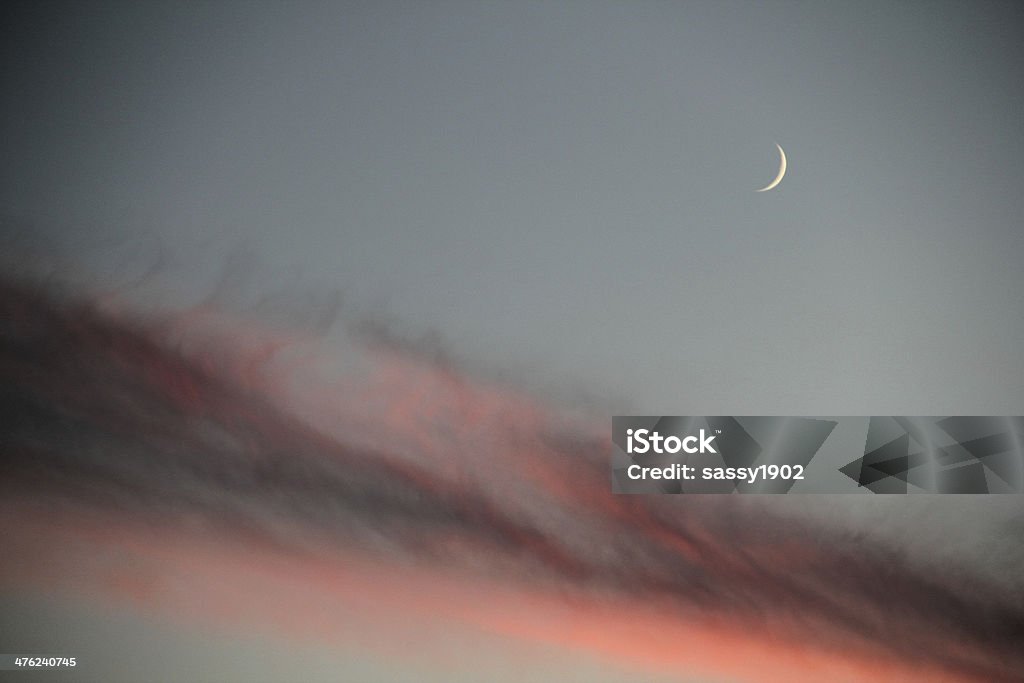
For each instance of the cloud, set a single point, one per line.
(409, 460)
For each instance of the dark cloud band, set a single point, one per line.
(102, 412)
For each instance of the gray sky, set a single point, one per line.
(564, 192)
(568, 186)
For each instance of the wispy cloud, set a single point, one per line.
(412, 462)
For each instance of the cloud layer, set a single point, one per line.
(409, 462)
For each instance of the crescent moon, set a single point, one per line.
(782, 171)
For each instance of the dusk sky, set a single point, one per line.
(546, 208)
